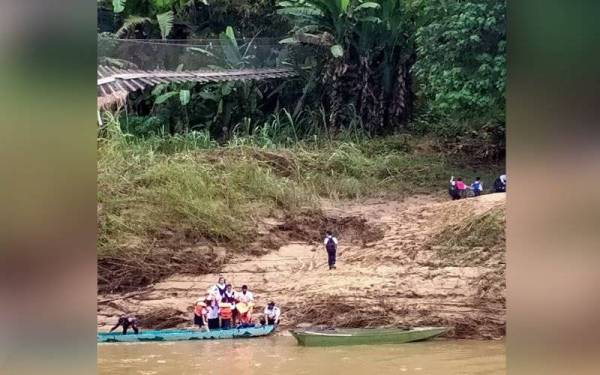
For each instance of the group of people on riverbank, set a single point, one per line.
(224, 308)
(458, 189)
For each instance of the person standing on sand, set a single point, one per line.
(331, 247)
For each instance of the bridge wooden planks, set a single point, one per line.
(115, 84)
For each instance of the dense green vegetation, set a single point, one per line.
(384, 66)
(391, 97)
(187, 184)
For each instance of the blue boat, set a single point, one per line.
(186, 334)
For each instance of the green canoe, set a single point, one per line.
(365, 336)
(186, 334)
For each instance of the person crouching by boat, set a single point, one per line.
(212, 312)
(271, 315)
(225, 314)
(126, 321)
(200, 315)
(229, 297)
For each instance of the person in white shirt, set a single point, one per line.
(331, 247)
(212, 312)
(271, 314)
(245, 295)
(244, 305)
(218, 290)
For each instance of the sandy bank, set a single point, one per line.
(390, 272)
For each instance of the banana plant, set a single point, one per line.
(230, 97)
(332, 20)
(158, 12)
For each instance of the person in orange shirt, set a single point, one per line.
(225, 313)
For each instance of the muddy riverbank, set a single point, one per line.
(420, 261)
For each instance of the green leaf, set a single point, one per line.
(201, 50)
(226, 89)
(164, 97)
(165, 23)
(288, 41)
(370, 19)
(208, 96)
(162, 5)
(158, 89)
(184, 97)
(179, 68)
(130, 24)
(231, 35)
(337, 50)
(230, 47)
(344, 4)
(118, 5)
(285, 4)
(368, 5)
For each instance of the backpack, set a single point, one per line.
(330, 246)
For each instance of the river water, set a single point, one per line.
(281, 355)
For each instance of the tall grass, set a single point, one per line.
(191, 185)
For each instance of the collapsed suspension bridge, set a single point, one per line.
(115, 84)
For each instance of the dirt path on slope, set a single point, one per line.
(397, 278)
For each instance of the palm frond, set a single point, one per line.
(165, 23)
(130, 24)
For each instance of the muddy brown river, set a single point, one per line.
(281, 355)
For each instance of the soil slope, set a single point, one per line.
(392, 270)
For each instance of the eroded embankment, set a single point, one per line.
(422, 261)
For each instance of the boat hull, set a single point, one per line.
(186, 335)
(366, 336)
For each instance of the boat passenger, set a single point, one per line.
(212, 312)
(218, 290)
(225, 314)
(271, 314)
(229, 297)
(200, 318)
(245, 295)
(126, 321)
(245, 314)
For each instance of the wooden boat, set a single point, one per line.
(185, 334)
(365, 336)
